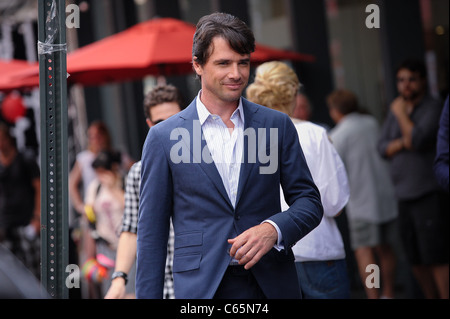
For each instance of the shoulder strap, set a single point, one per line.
(98, 189)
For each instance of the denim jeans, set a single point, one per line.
(323, 279)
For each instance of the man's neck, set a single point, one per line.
(219, 107)
(413, 102)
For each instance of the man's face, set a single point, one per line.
(409, 84)
(302, 109)
(225, 74)
(162, 112)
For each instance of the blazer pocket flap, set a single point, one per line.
(186, 262)
(189, 239)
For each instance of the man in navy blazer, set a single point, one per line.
(214, 171)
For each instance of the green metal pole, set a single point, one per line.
(54, 158)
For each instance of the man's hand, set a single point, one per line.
(252, 244)
(401, 107)
(398, 106)
(117, 289)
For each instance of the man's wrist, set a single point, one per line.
(279, 240)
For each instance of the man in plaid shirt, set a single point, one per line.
(159, 104)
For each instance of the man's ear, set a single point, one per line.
(149, 122)
(197, 67)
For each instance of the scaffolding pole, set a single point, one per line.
(54, 164)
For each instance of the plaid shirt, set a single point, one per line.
(130, 221)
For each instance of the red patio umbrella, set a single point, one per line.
(11, 77)
(161, 46)
(157, 47)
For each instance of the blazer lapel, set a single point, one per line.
(189, 120)
(253, 122)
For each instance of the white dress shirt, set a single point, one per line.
(226, 149)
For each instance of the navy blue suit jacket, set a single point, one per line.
(179, 182)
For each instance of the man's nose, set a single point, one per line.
(234, 72)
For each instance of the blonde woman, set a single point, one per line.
(320, 255)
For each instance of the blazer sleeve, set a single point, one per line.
(301, 193)
(155, 209)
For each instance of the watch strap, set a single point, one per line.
(120, 274)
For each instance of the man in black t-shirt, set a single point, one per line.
(19, 203)
(408, 140)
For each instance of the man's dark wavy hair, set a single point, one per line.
(164, 93)
(414, 65)
(227, 26)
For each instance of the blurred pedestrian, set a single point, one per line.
(20, 200)
(104, 205)
(320, 255)
(408, 141)
(160, 103)
(371, 210)
(80, 176)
